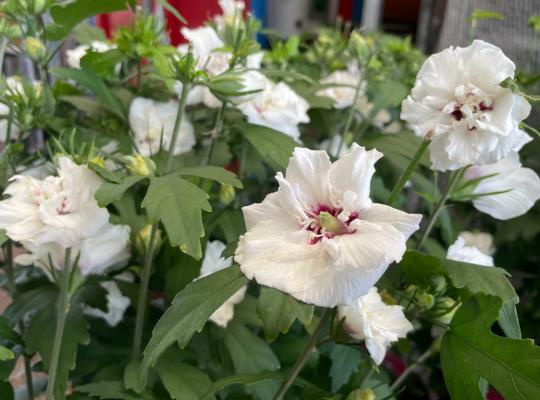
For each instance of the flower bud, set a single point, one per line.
(35, 48)
(438, 283)
(37, 7)
(9, 30)
(448, 304)
(143, 239)
(361, 394)
(387, 298)
(100, 161)
(360, 44)
(140, 165)
(424, 300)
(226, 194)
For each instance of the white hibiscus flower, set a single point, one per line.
(459, 101)
(59, 209)
(117, 305)
(474, 248)
(152, 123)
(510, 189)
(319, 237)
(213, 262)
(4, 114)
(346, 82)
(107, 248)
(74, 56)
(369, 318)
(277, 107)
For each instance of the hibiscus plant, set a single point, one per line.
(326, 218)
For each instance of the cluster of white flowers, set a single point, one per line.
(474, 248)
(459, 103)
(152, 123)
(320, 238)
(59, 212)
(74, 56)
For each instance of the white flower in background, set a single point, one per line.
(319, 237)
(379, 120)
(107, 248)
(369, 318)
(15, 86)
(207, 48)
(117, 305)
(334, 146)
(59, 209)
(74, 56)
(473, 248)
(230, 9)
(458, 100)
(251, 81)
(510, 189)
(4, 114)
(277, 107)
(213, 262)
(343, 93)
(152, 123)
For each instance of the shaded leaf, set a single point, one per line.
(178, 204)
(272, 145)
(189, 311)
(217, 174)
(278, 311)
(345, 361)
(110, 191)
(470, 351)
(110, 390)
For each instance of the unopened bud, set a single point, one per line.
(140, 165)
(361, 394)
(226, 194)
(35, 48)
(425, 300)
(143, 239)
(97, 160)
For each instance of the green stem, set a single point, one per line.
(452, 181)
(177, 124)
(408, 172)
(62, 312)
(350, 117)
(12, 286)
(3, 46)
(301, 361)
(215, 134)
(411, 368)
(143, 294)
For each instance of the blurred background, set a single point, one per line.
(432, 24)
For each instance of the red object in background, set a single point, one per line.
(345, 10)
(110, 22)
(400, 10)
(195, 13)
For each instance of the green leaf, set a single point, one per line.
(89, 106)
(345, 361)
(189, 311)
(419, 268)
(6, 391)
(248, 379)
(250, 354)
(165, 4)
(182, 381)
(278, 312)
(3, 237)
(66, 17)
(478, 278)
(40, 336)
(42, 297)
(109, 191)
(178, 204)
(7, 333)
(217, 174)
(131, 375)
(272, 145)
(102, 63)
(110, 390)
(387, 94)
(6, 354)
(470, 351)
(508, 320)
(111, 176)
(96, 85)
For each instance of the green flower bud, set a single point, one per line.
(9, 30)
(226, 194)
(143, 239)
(140, 165)
(35, 48)
(424, 300)
(361, 394)
(438, 283)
